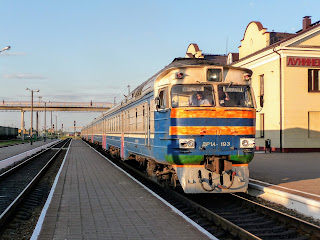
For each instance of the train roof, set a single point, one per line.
(182, 62)
(148, 85)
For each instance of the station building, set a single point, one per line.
(286, 84)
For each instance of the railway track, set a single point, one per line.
(25, 187)
(228, 216)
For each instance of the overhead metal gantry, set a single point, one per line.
(53, 107)
(56, 106)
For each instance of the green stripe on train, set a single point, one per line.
(184, 159)
(197, 159)
(241, 158)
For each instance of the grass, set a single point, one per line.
(10, 142)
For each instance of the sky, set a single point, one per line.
(82, 51)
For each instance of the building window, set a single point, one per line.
(314, 125)
(313, 80)
(262, 125)
(261, 90)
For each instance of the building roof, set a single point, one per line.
(279, 38)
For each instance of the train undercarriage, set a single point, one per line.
(216, 174)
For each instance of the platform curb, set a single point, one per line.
(16, 158)
(302, 205)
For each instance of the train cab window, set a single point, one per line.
(162, 99)
(235, 96)
(192, 96)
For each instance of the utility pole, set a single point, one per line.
(37, 125)
(45, 120)
(57, 123)
(31, 90)
(51, 126)
(74, 125)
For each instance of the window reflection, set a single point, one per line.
(192, 96)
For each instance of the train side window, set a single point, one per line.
(136, 122)
(143, 120)
(129, 124)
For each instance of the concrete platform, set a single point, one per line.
(289, 179)
(7, 152)
(296, 171)
(95, 200)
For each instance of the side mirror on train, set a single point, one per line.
(261, 101)
(157, 102)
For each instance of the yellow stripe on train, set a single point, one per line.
(210, 112)
(208, 130)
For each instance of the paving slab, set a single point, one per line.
(95, 200)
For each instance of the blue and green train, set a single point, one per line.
(192, 123)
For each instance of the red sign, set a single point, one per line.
(303, 62)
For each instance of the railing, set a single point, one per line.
(57, 104)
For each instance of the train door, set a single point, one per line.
(103, 134)
(148, 123)
(161, 125)
(122, 136)
(144, 122)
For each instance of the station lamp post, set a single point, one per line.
(57, 122)
(38, 121)
(5, 49)
(45, 120)
(32, 91)
(51, 127)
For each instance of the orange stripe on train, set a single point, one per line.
(209, 112)
(208, 130)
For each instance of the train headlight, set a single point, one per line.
(214, 75)
(186, 143)
(247, 142)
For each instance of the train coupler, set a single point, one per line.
(232, 180)
(217, 164)
(201, 180)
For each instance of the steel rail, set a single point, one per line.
(224, 223)
(10, 209)
(283, 217)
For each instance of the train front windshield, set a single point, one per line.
(192, 95)
(235, 96)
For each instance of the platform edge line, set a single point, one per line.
(40, 221)
(290, 189)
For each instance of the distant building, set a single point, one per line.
(286, 84)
